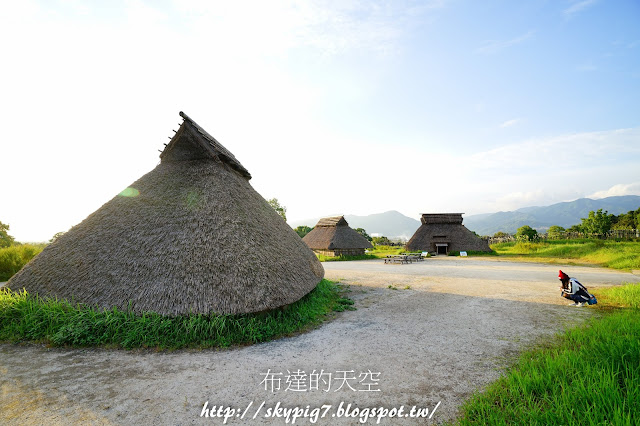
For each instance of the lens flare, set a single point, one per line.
(130, 192)
(193, 199)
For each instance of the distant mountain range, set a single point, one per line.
(393, 224)
(541, 218)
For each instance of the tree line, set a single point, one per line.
(596, 223)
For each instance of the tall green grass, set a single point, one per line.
(624, 255)
(625, 296)
(27, 318)
(384, 251)
(323, 258)
(13, 258)
(376, 252)
(590, 375)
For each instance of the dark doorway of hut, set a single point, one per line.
(442, 249)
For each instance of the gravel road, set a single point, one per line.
(451, 327)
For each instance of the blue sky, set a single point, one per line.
(335, 107)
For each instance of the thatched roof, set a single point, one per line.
(333, 233)
(455, 218)
(332, 221)
(445, 228)
(192, 235)
(192, 142)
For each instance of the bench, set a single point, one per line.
(396, 258)
(417, 257)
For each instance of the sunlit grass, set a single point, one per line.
(624, 255)
(27, 318)
(588, 375)
(13, 258)
(323, 258)
(384, 251)
(377, 252)
(625, 296)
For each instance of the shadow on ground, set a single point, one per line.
(427, 347)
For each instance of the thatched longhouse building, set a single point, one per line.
(191, 236)
(442, 233)
(332, 236)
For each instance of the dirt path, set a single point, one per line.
(448, 335)
(487, 277)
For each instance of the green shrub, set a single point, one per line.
(13, 258)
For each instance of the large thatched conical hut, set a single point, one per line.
(191, 236)
(332, 236)
(441, 233)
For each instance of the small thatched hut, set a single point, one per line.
(332, 236)
(442, 233)
(191, 236)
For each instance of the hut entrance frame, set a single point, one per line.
(442, 248)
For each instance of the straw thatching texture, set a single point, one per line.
(334, 233)
(452, 218)
(445, 228)
(197, 239)
(332, 221)
(192, 142)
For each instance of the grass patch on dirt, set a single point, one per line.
(322, 258)
(588, 375)
(621, 255)
(59, 323)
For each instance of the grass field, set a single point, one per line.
(589, 375)
(13, 258)
(27, 318)
(384, 251)
(622, 255)
(377, 252)
(322, 258)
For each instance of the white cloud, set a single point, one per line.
(535, 172)
(578, 6)
(273, 28)
(518, 199)
(495, 46)
(92, 99)
(87, 88)
(544, 171)
(574, 151)
(510, 123)
(617, 190)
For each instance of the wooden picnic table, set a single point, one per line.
(400, 258)
(415, 256)
(403, 258)
(396, 258)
